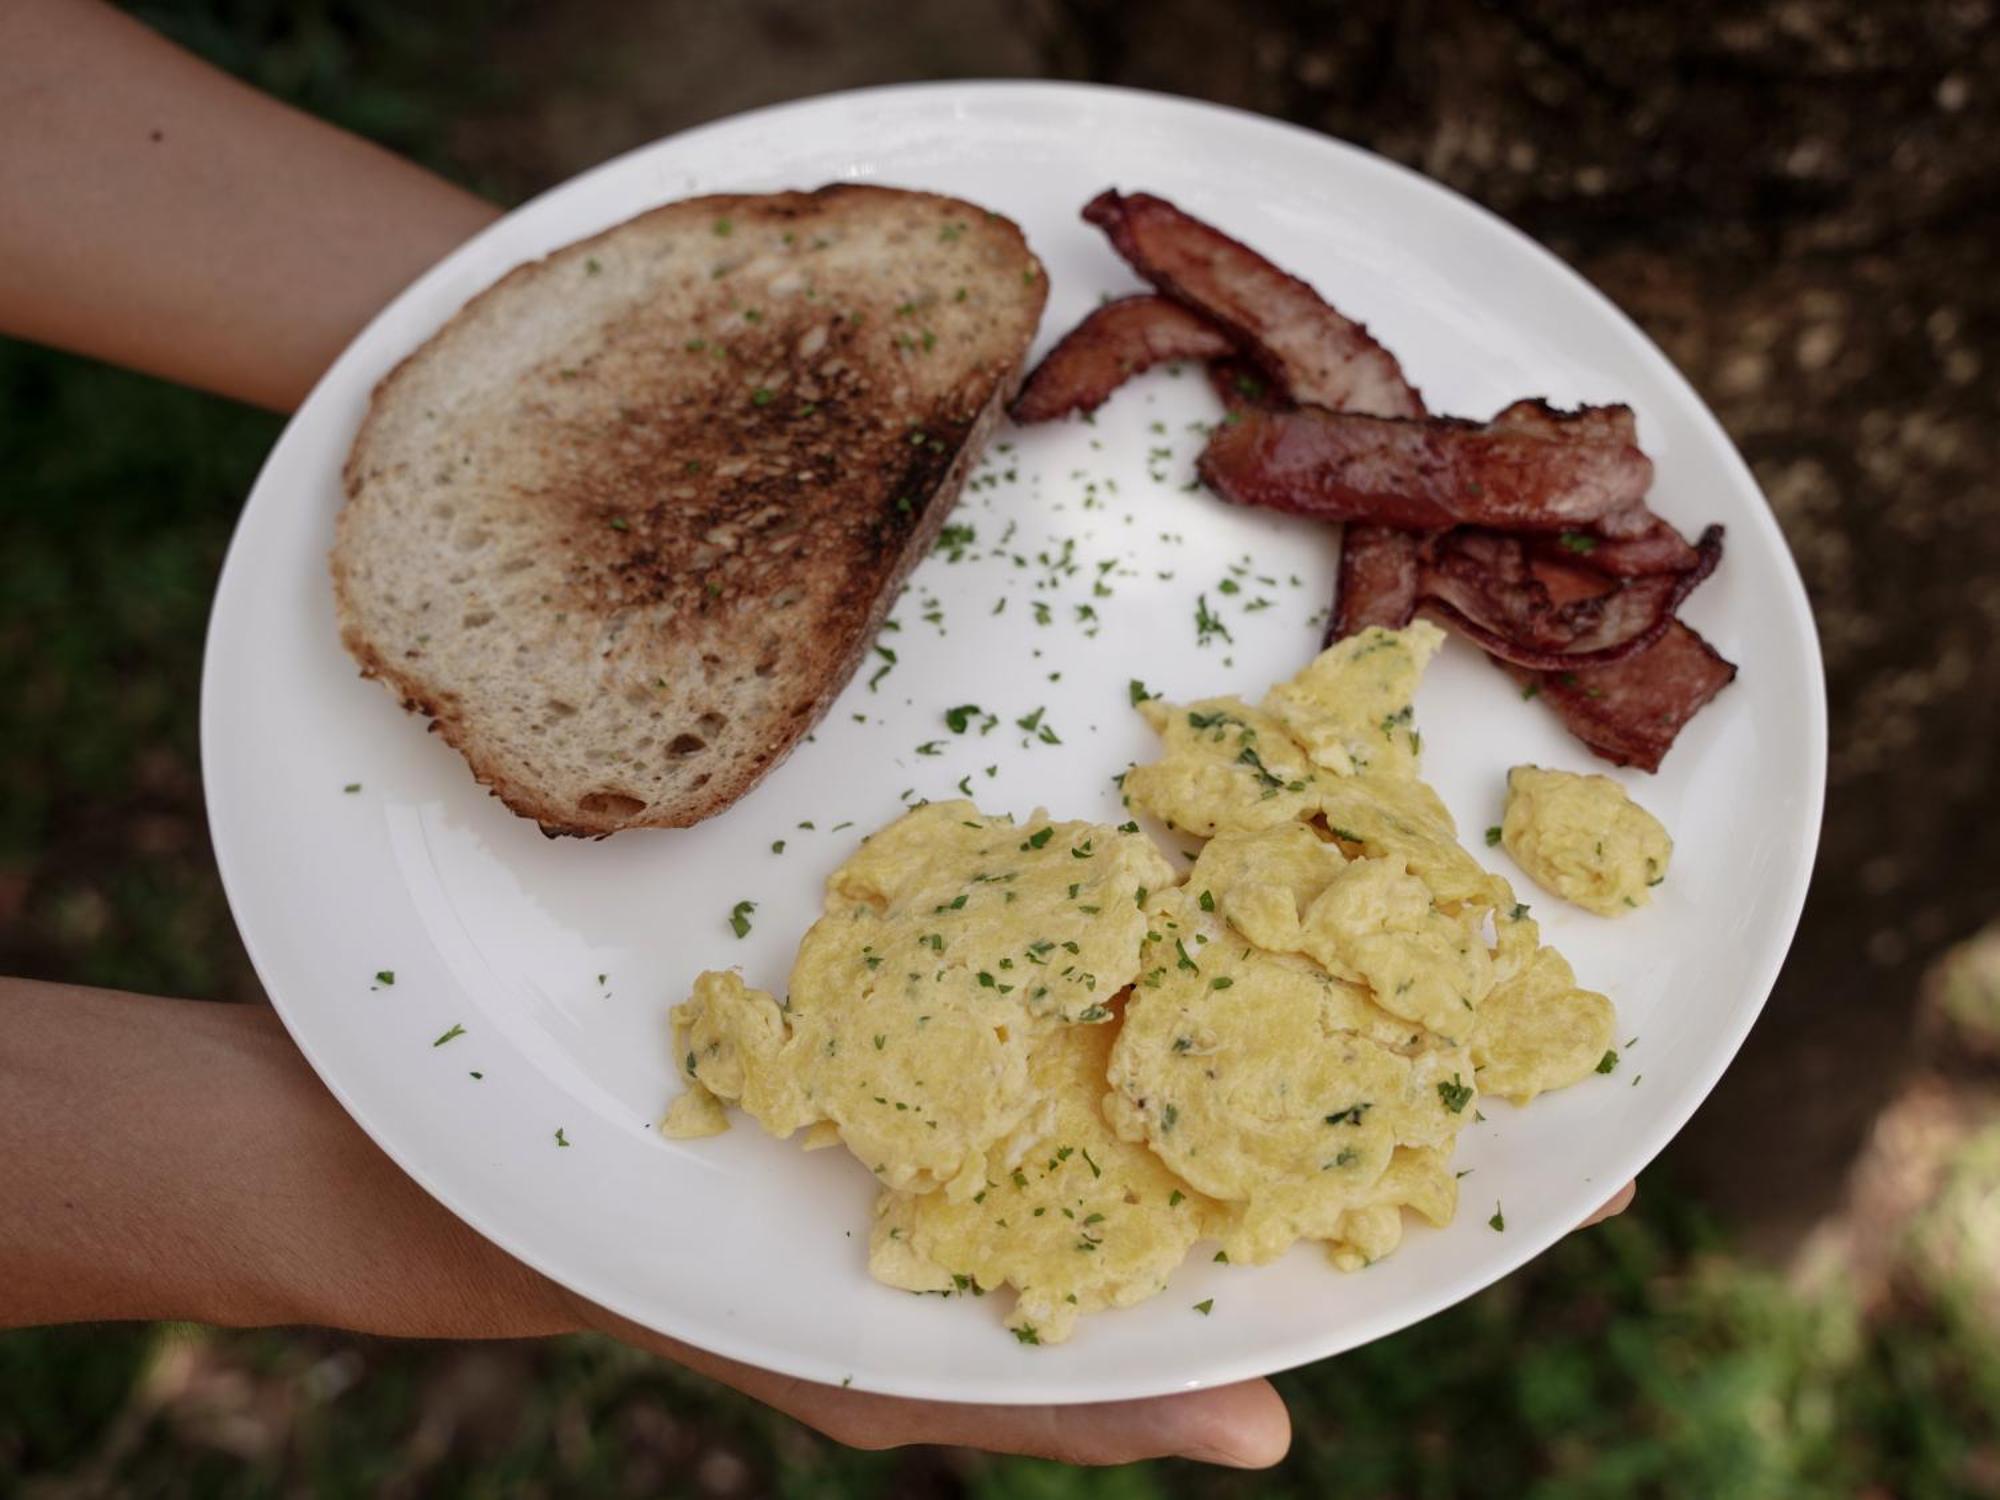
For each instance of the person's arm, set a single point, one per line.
(157, 213)
(178, 1159)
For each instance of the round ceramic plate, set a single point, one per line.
(355, 846)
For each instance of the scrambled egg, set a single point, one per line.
(1226, 767)
(1419, 1178)
(1350, 710)
(1068, 1214)
(1065, 1065)
(1582, 838)
(951, 944)
(1269, 1084)
(1540, 1031)
(1334, 945)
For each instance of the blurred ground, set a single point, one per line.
(1796, 199)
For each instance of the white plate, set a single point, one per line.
(743, 1244)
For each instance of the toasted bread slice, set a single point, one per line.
(627, 524)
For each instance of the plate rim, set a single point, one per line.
(1665, 1122)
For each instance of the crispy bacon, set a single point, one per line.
(1243, 386)
(1377, 584)
(1379, 572)
(1108, 348)
(1425, 475)
(1484, 586)
(1577, 602)
(1587, 424)
(1631, 711)
(1317, 355)
(1657, 549)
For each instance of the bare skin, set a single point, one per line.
(158, 214)
(175, 1159)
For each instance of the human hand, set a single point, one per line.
(1241, 1426)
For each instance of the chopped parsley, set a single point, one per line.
(739, 917)
(1208, 901)
(1138, 691)
(1456, 1094)
(1493, 835)
(1609, 1062)
(561, 1139)
(1249, 757)
(1207, 624)
(1205, 1306)
(458, 1031)
(1577, 542)
(958, 719)
(385, 977)
(1498, 1221)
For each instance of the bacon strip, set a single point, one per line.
(1425, 475)
(1587, 424)
(1632, 711)
(1380, 568)
(1243, 386)
(1657, 549)
(1624, 675)
(1108, 348)
(1318, 356)
(1483, 586)
(1378, 564)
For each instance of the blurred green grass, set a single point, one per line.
(1638, 1360)
(1643, 1359)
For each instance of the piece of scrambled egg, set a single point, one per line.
(1581, 838)
(1066, 1065)
(951, 945)
(1069, 1214)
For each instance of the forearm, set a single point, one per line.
(178, 1159)
(156, 213)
